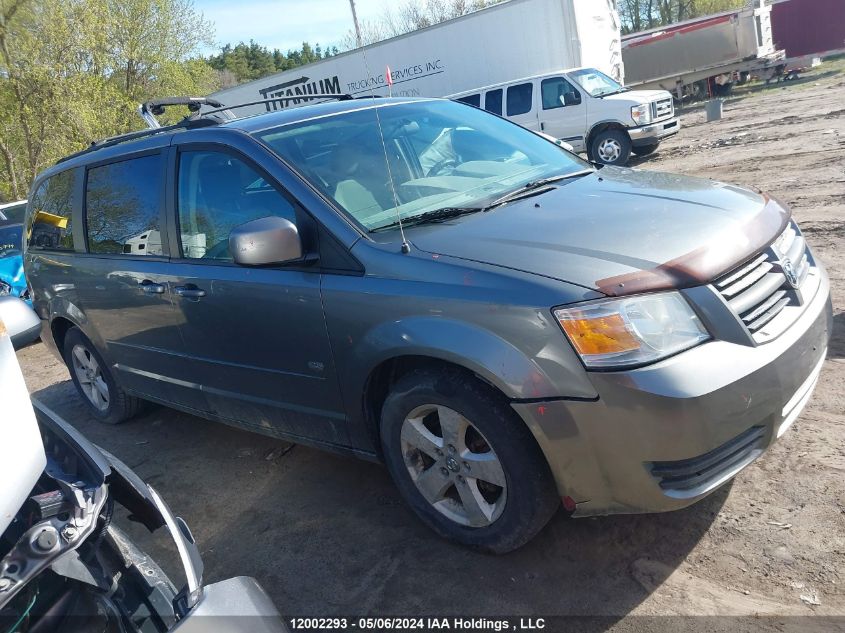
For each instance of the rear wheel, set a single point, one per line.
(464, 461)
(94, 381)
(611, 147)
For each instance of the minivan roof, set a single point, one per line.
(162, 137)
(501, 84)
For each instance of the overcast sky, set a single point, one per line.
(285, 24)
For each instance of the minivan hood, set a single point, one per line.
(618, 231)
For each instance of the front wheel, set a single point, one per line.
(611, 147)
(465, 462)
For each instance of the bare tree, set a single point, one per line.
(411, 15)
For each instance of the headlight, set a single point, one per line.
(631, 330)
(641, 114)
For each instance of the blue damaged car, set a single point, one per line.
(12, 280)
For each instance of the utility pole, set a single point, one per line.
(358, 39)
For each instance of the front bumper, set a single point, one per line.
(662, 437)
(654, 132)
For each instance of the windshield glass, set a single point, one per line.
(440, 154)
(596, 82)
(12, 215)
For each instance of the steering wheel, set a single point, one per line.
(218, 251)
(441, 165)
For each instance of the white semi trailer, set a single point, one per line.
(493, 45)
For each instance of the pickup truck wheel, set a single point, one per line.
(465, 462)
(94, 382)
(645, 150)
(611, 147)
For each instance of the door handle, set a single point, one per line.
(189, 292)
(151, 288)
(542, 126)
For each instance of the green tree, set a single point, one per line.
(639, 15)
(72, 71)
(246, 62)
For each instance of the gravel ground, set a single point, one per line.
(329, 535)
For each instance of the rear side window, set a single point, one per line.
(473, 100)
(50, 225)
(519, 98)
(493, 101)
(218, 192)
(122, 207)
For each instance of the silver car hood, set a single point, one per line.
(24, 458)
(618, 231)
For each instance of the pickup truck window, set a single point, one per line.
(218, 192)
(50, 222)
(122, 207)
(519, 98)
(493, 101)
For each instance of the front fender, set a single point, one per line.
(515, 372)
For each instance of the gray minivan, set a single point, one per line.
(423, 283)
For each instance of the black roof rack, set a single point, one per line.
(149, 110)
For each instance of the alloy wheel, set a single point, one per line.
(90, 377)
(453, 465)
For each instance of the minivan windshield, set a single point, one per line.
(596, 82)
(436, 155)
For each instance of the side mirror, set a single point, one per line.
(20, 321)
(270, 240)
(571, 98)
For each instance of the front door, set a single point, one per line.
(256, 336)
(563, 112)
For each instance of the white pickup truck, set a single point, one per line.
(585, 108)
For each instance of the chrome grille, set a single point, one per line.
(662, 108)
(759, 289)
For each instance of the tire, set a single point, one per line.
(498, 518)
(611, 147)
(645, 150)
(105, 399)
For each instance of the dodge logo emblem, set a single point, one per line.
(789, 272)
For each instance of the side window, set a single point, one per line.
(519, 98)
(50, 223)
(218, 192)
(122, 209)
(473, 100)
(493, 101)
(557, 93)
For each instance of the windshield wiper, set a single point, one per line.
(437, 215)
(613, 92)
(535, 187)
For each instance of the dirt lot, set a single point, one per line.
(329, 535)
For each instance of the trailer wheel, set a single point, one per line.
(611, 147)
